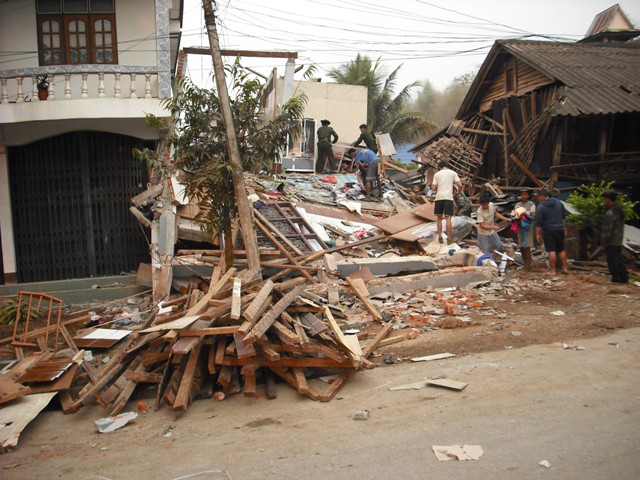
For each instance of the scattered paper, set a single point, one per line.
(437, 356)
(444, 453)
(544, 463)
(558, 313)
(110, 424)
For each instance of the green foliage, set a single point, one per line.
(589, 203)
(385, 108)
(10, 308)
(199, 142)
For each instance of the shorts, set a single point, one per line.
(553, 240)
(444, 207)
(372, 172)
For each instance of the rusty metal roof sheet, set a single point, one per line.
(598, 78)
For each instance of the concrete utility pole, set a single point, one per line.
(244, 209)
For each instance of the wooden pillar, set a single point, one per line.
(505, 145)
(244, 209)
(559, 132)
(603, 146)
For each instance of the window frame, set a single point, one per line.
(90, 20)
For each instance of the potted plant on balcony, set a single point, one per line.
(43, 86)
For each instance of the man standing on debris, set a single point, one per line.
(368, 139)
(367, 162)
(551, 229)
(488, 238)
(443, 182)
(611, 237)
(326, 137)
(524, 213)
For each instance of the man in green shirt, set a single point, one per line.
(326, 137)
(368, 139)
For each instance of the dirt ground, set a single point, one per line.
(591, 305)
(254, 438)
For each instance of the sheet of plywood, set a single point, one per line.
(408, 219)
(15, 416)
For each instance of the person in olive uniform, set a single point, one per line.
(326, 137)
(368, 139)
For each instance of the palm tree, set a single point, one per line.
(385, 108)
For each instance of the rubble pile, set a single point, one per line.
(340, 279)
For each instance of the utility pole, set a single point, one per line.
(244, 209)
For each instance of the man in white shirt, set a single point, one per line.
(443, 182)
(488, 239)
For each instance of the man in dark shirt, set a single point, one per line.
(611, 237)
(326, 137)
(550, 227)
(368, 139)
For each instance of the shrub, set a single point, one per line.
(589, 203)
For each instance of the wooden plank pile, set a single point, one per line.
(237, 334)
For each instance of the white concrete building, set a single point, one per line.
(66, 168)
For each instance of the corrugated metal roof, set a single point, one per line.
(598, 78)
(604, 20)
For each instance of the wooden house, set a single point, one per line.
(551, 112)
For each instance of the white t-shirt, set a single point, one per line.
(487, 217)
(445, 179)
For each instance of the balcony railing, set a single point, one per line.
(73, 82)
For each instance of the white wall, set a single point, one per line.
(18, 33)
(136, 31)
(345, 106)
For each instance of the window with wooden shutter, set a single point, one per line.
(76, 32)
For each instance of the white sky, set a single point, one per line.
(434, 40)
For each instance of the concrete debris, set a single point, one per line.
(362, 415)
(446, 453)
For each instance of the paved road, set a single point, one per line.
(577, 409)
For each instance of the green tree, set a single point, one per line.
(198, 138)
(386, 109)
(589, 203)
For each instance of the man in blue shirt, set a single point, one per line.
(367, 161)
(550, 227)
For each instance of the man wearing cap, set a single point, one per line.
(551, 229)
(367, 162)
(326, 137)
(366, 137)
(524, 213)
(443, 182)
(611, 237)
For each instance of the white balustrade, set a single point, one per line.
(20, 95)
(4, 97)
(101, 85)
(34, 89)
(90, 85)
(133, 85)
(67, 86)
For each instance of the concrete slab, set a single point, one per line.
(387, 266)
(464, 277)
